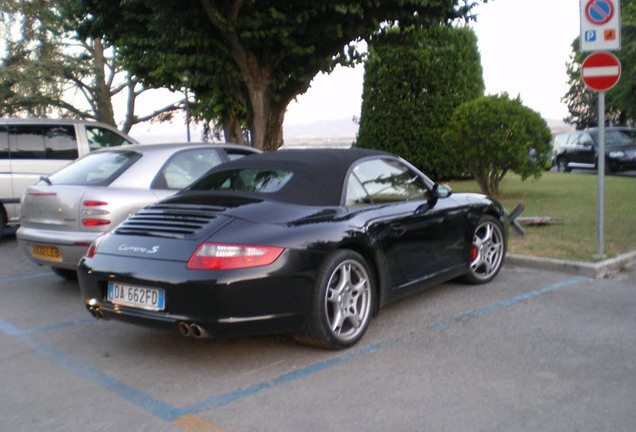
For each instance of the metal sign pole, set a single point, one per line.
(600, 253)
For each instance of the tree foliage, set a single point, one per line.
(495, 135)
(249, 58)
(620, 101)
(414, 80)
(46, 66)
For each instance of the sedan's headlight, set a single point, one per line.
(617, 154)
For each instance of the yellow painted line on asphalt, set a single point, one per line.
(194, 423)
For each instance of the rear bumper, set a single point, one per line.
(72, 245)
(270, 299)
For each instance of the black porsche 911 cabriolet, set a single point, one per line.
(312, 242)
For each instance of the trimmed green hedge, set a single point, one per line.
(414, 80)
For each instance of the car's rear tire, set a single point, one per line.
(3, 222)
(67, 274)
(342, 302)
(562, 165)
(487, 252)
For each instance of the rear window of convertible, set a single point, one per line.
(252, 180)
(95, 169)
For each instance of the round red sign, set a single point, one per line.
(599, 12)
(601, 71)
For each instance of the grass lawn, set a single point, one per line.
(572, 199)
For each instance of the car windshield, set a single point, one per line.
(95, 169)
(253, 180)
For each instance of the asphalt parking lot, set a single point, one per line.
(533, 351)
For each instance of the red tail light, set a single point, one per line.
(215, 256)
(92, 249)
(91, 222)
(95, 222)
(94, 203)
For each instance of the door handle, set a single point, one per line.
(397, 229)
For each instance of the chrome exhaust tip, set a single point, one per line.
(96, 312)
(191, 330)
(197, 332)
(184, 329)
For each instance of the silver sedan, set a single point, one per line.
(62, 214)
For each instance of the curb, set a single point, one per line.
(601, 269)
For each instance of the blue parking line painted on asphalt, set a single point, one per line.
(14, 250)
(27, 277)
(10, 330)
(226, 398)
(317, 367)
(169, 413)
(134, 396)
(505, 303)
(59, 326)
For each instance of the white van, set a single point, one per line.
(33, 148)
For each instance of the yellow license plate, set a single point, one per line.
(51, 253)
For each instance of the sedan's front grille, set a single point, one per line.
(169, 220)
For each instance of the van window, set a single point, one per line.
(4, 143)
(99, 137)
(60, 142)
(28, 142)
(43, 142)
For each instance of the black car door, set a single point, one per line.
(418, 236)
(585, 150)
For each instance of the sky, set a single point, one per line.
(524, 47)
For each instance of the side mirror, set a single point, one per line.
(441, 190)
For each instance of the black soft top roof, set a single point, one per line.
(318, 175)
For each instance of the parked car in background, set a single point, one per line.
(579, 149)
(312, 242)
(63, 213)
(30, 148)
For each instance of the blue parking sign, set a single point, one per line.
(600, 25)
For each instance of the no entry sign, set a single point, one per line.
(601, 71)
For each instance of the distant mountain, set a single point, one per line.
(333, 129)
(337, 132)
(557, 126)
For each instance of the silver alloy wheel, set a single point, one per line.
(348, 300)
(487, 251)
(562, 165)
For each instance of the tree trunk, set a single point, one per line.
(232, 130)
(130, 107)
(267, 114)
(103, 104)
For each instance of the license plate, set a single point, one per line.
(135, 296)
(51, 253)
